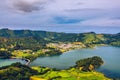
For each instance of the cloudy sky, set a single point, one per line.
(61, 15)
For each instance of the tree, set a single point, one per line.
(89, 64)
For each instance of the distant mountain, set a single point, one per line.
(33, 39)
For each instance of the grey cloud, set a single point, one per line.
(26, 7)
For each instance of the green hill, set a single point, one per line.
(27, 39)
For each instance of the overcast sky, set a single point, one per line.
(61, 15)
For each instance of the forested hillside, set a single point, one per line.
(29, 44)
(27, 39)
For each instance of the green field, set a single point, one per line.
(71, 74)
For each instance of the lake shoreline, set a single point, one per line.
(28, 61)
(25, 59)
(102, 51)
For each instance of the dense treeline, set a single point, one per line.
(5, 54)
(16, 71)
(26, 39)
(21, 43)
(89, 64)
(113, 39)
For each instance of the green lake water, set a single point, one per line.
(5, 62)
(110, 55)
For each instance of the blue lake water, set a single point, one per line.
(110, 55)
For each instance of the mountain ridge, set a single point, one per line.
(29, 38)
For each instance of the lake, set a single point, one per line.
(110, 55)
(5, 62)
